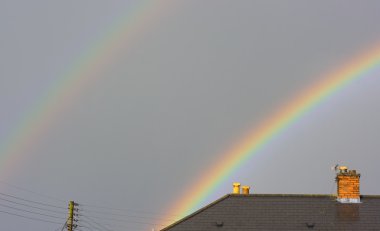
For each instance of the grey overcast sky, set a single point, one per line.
(166, 106)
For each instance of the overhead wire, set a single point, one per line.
(28, 211)
(63, 227)
(31, 206)
(124, 210)
(120, 220)
(154, 215)
(86, 227)
(116, 226)
(100, 225)
(34, 202)
(124, 225)
(112, 217)
(30, 191)
(86, 208)
(93, 226)
(125, 215)
(30, 218)
(15, 200)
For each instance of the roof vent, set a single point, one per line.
(310, 225)
(236, 188)
(219, 223)
(245, 190)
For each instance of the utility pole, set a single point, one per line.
(70, 219)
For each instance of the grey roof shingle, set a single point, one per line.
(283, 212)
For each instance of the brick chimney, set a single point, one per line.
(348, 185)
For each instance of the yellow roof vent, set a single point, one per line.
(236, 188)
(245, 190)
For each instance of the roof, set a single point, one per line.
(283, 212)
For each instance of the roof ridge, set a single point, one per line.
(294, 195)
(282, 195)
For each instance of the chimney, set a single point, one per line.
(245, 190)
(348, 185)
(236, 188)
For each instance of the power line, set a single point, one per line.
(83, 226)
(117, 226)
(31, 206)
(30, 218)
(125, 215)
(97, 224)
(129, 226)
(63, 227)
(28, 211)
(35, 202)
(86, 205)
(30, 191)
(120, 220)
(125, 210)
(90, 225)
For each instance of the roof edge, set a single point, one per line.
(297, 195)
(254, 195)
(197, 212)
(370, 196)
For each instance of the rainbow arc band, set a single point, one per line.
(64, 91)
(260, 136)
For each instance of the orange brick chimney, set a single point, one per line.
(348, 185)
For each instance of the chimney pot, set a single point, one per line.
(343, 169)
(236, 188)
(245, 190)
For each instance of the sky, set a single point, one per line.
(129, 103)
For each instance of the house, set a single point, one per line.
(242, 211)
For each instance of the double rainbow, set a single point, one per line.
(63, 92)
(260, 136)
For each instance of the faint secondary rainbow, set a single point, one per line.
(270, 128)
(64, 91)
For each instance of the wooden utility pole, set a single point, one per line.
(70, 219)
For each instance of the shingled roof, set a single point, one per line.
(283, 212)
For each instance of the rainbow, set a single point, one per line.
(63, 92)
(261, 136)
